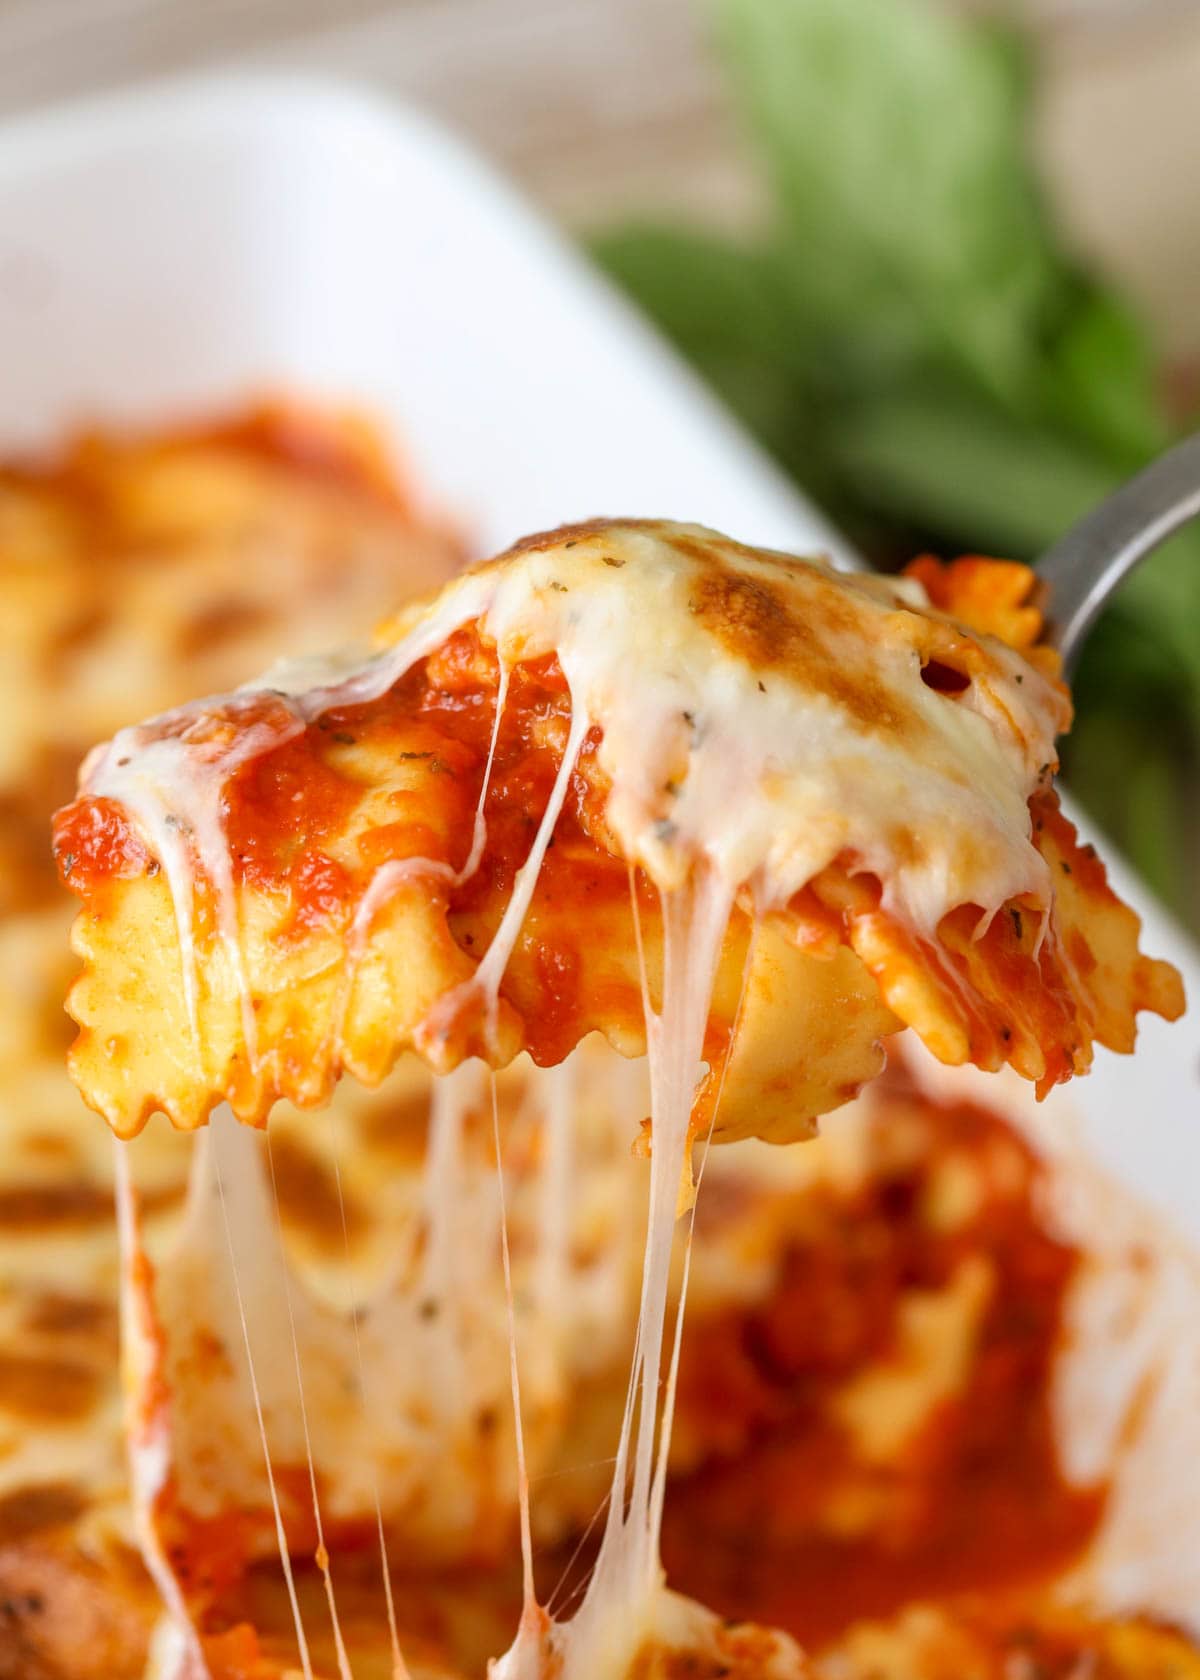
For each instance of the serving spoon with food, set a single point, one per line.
(1084, 568)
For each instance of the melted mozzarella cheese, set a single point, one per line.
(622, 1612)
(399, 1405)
(762, 712)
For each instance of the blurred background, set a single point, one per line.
(940, 258)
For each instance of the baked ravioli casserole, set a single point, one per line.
(604, 869)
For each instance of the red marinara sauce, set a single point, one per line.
(977, 1500)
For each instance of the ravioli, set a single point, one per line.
(463, 841)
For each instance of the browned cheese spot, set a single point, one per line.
(754, 619)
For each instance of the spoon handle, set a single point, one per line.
(1085, 566)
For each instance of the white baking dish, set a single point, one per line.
(177, 249)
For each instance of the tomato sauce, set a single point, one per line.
(292, 823)
(95, 841)
(976, 1500)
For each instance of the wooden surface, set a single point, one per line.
(600, 106)
(585, 101)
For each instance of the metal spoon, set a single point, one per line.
(1089, 563)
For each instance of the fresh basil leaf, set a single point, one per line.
(895, 143)
(729, 310)
(707, 293)
(945, 459)
(1100, 378)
